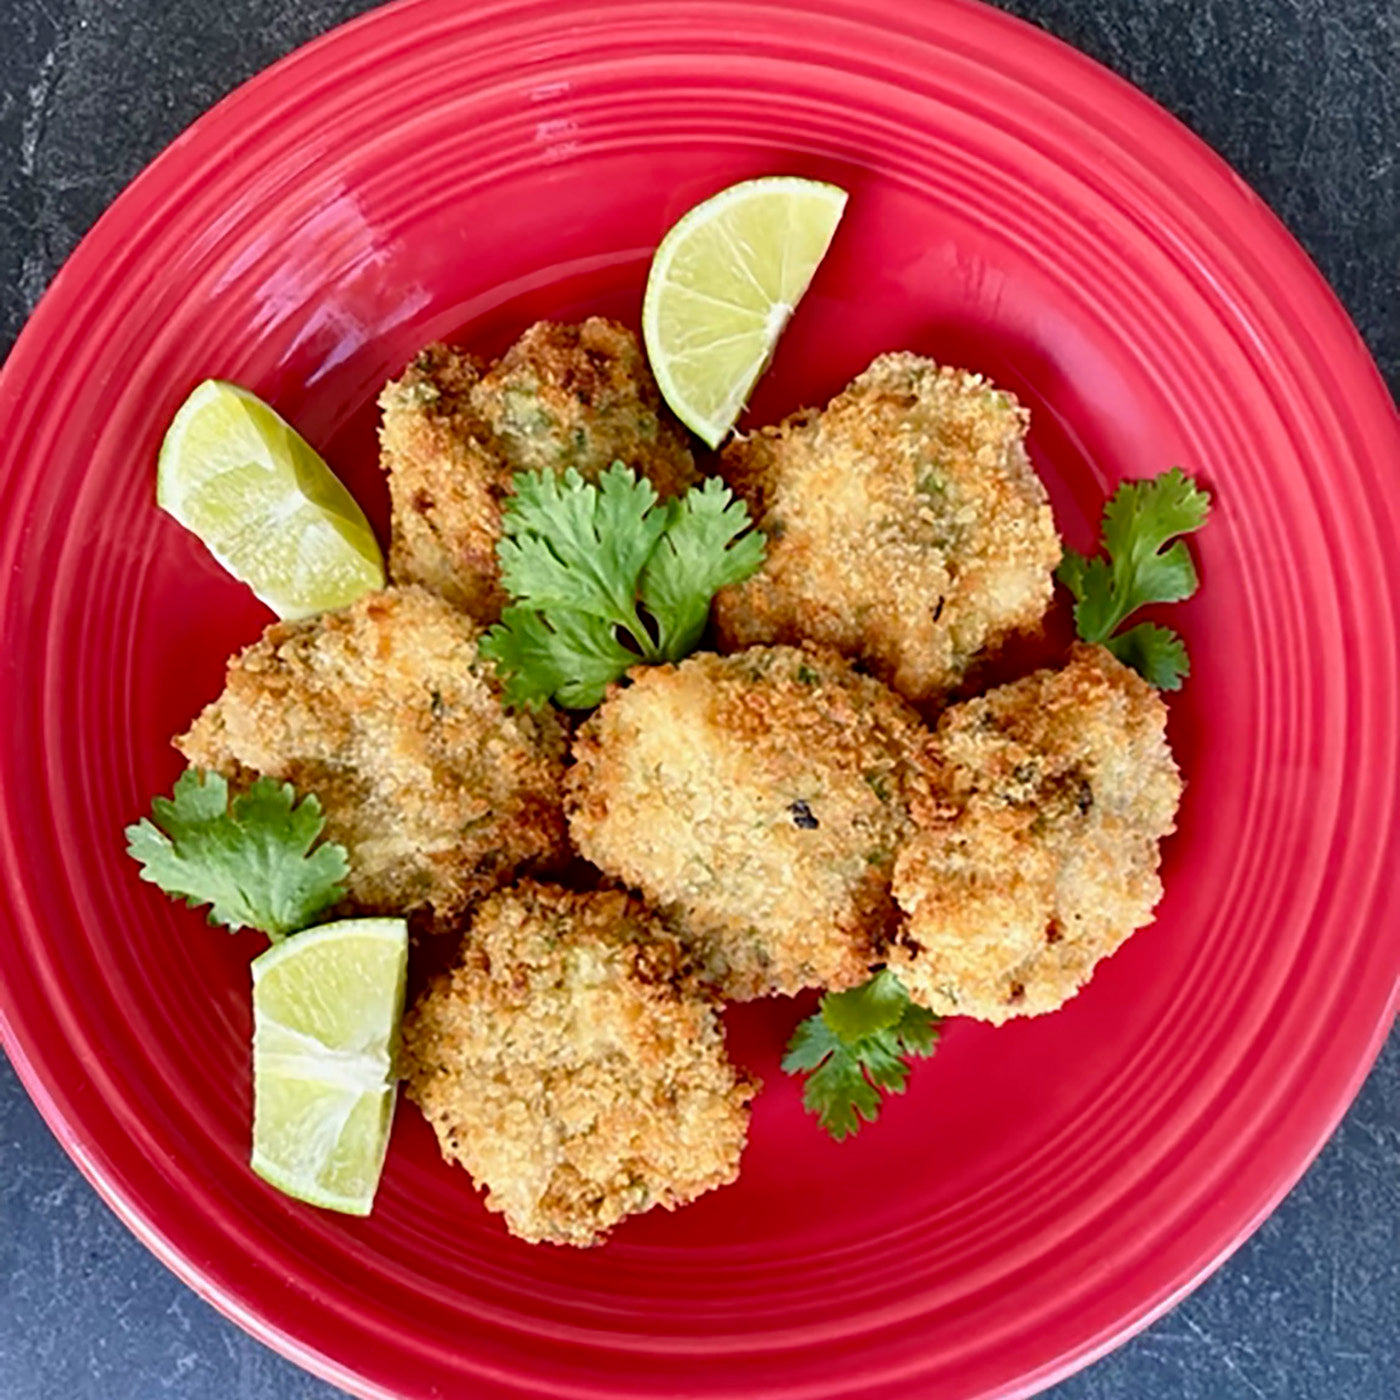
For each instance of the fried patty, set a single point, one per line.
(454, 434)
(573, 1066)
(1037, 855)
(758, 801)
(386, 713)
(906, 526)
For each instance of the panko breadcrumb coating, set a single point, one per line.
(757, 801)
(384, 711)
(572, 1065)
(906, 527)
(1038, 855)
(453, 435)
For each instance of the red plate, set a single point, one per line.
(437, 169)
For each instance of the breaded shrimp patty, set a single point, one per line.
(384, 711)
(453, 436)
(758, 801)
(906, 527)
(573, 1066)
(1038, 855)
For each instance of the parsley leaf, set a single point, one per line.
(251, 862)
(605, 577)
(858, 1043)
(1144, 561)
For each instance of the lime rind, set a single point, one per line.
(326, 1010)
(265, 505)
(723, 284)
(334, 1171)
(311, 986)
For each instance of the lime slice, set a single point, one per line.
(268, 508)
(722, 286)
(326, 1009)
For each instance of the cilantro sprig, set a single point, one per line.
(1144, 561)
(857, 1045)
(605, 576)
(250, 860)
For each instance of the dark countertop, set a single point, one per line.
(1302, 96)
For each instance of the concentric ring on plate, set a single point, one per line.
(434, 170)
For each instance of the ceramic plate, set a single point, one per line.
(440, 169)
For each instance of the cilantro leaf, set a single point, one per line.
(1073, 570)
(1141, 516)
(703, 549)
(1091, 582)
(872, 1007)
(836, 1091)
(606, 577)
(1144, 562)
(252, 862)
(567, 655)
(857, 1044)
(571, 544)
(1157, 654)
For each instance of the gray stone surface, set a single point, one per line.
(1302, 96)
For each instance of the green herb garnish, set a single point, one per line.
(250, 860)
(856, 1045)
(606, 577)
(1140, 565)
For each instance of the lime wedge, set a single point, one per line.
(722, 286)
(326, 1010)
(266, 506)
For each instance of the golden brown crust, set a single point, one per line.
(1038, 847)
(453, 435)
(758, 801)
(581, 395)
(906, 526)
(385, 712)
(445, 483)
(571, 1064)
